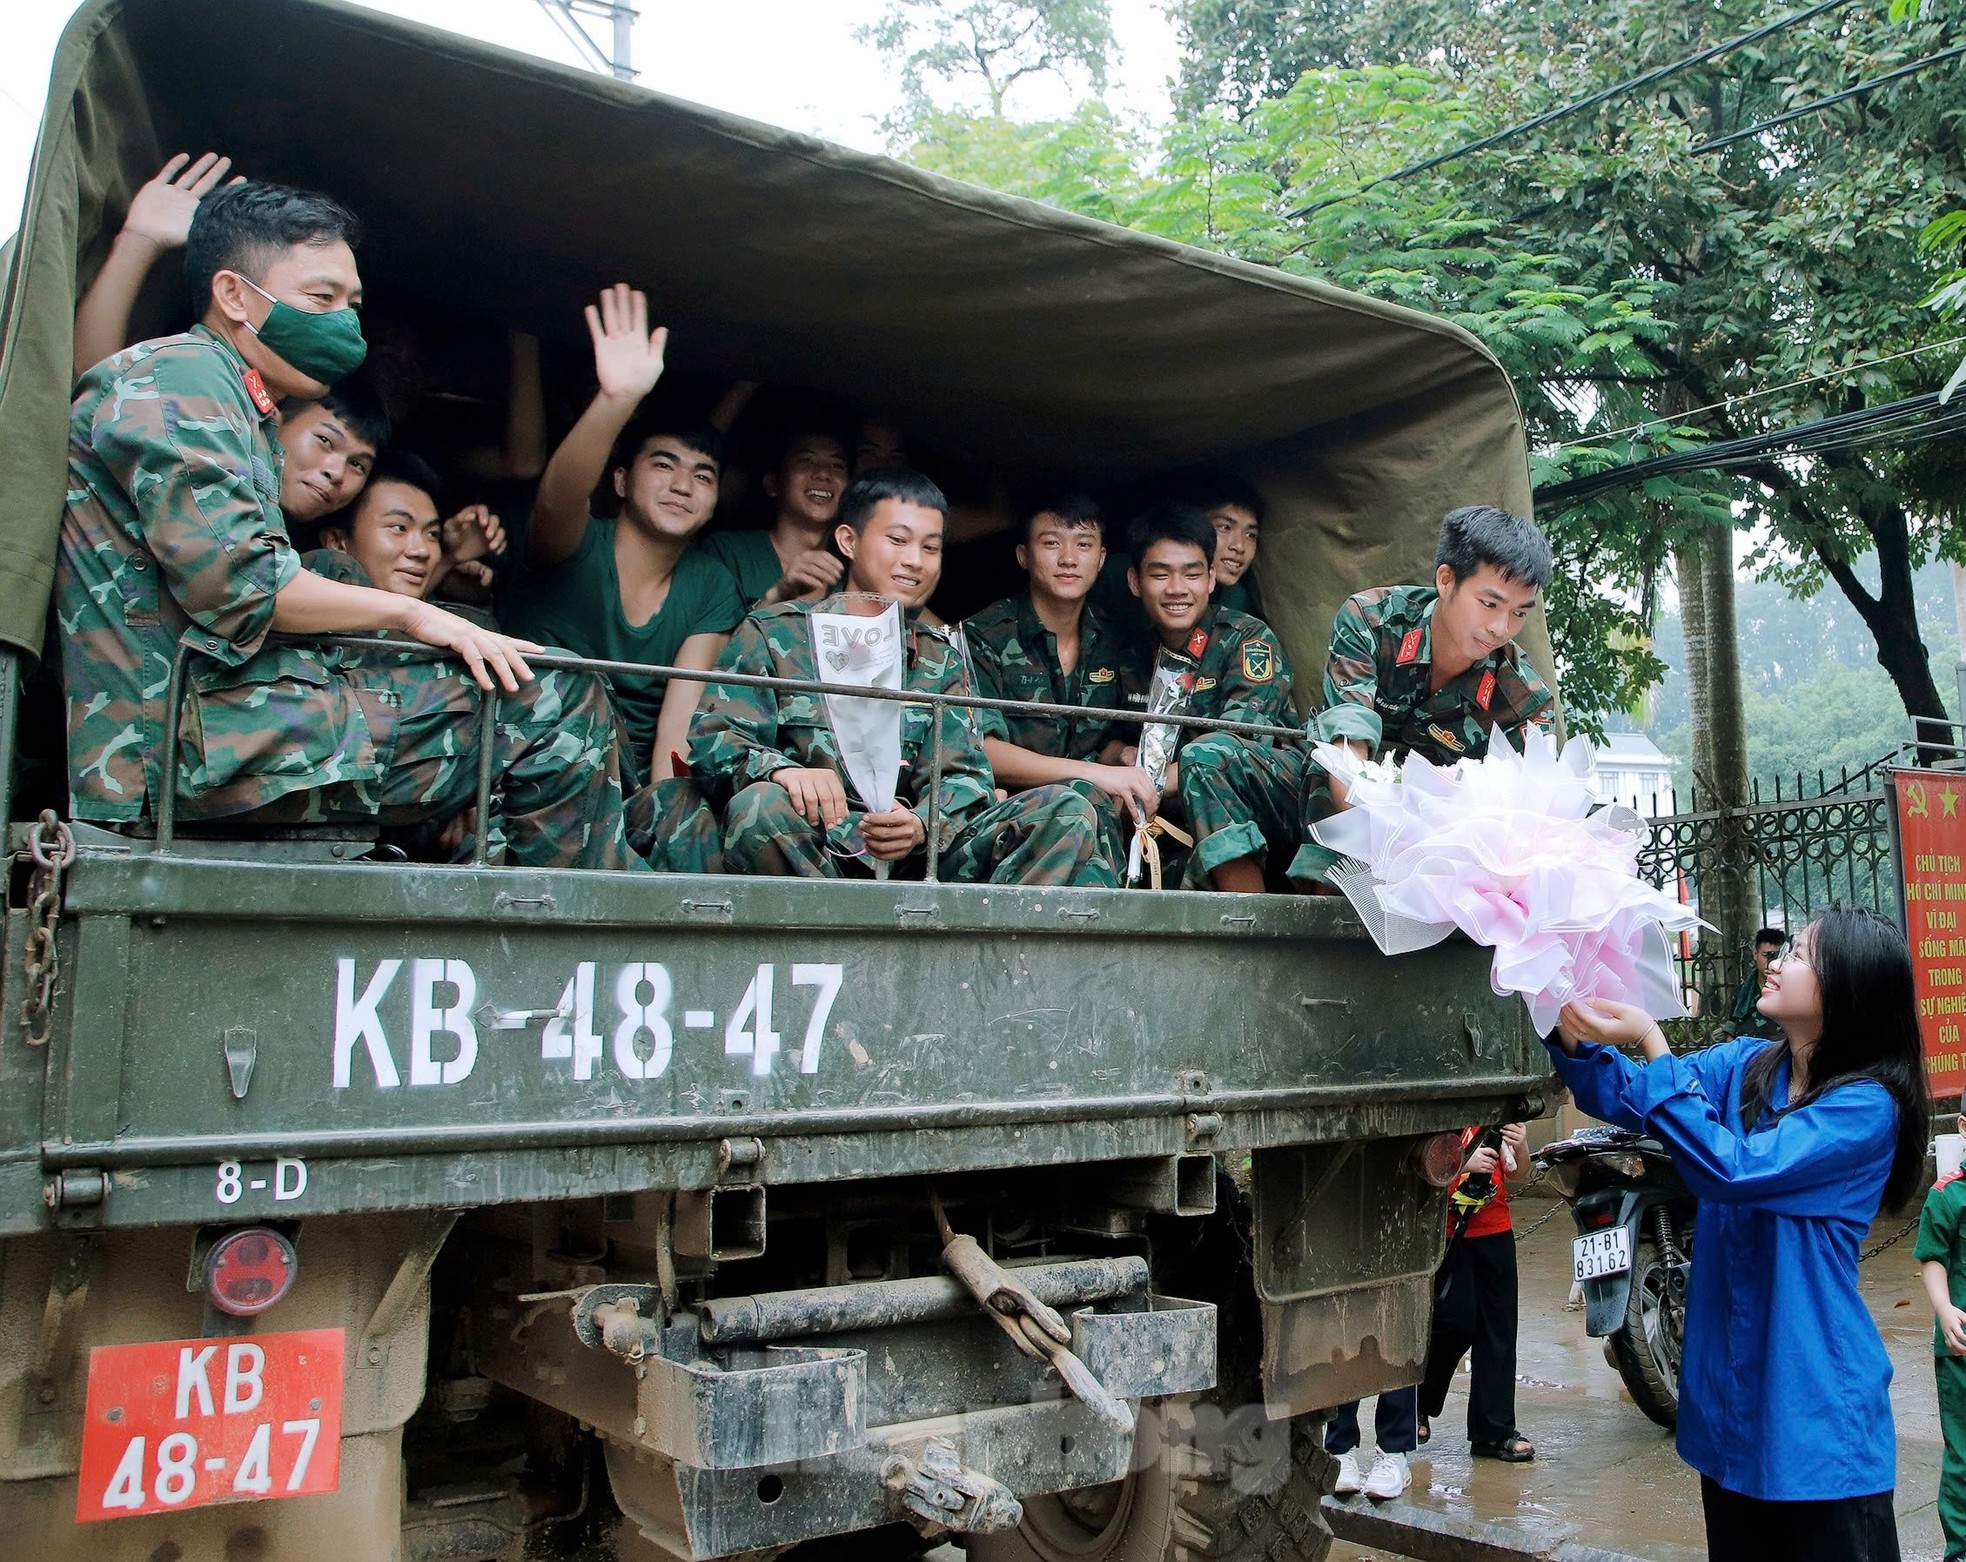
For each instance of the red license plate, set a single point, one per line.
(181, 1423)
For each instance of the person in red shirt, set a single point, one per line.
(1475, 1300)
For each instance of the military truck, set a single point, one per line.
(364, 1209)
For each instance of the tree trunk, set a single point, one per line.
(1725, 874)
(1690, 572)
(1736, 903)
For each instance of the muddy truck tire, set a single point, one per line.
(1223, 1484)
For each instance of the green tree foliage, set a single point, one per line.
(993, 44)
(1645, 295)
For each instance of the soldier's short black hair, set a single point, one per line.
(809, 424)
(354, 404)
(1209, 488)
(865, 494)
(1171, 520)
(1769, 935)
(694, 433)
(245, 227)
(1072, 509)
(1479, 534)
(408, 468)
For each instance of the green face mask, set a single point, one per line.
(325, 347)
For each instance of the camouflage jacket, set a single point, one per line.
(740, 735)
(172, 537)
(1377, 684)
(1016, 658)
(1239, 669)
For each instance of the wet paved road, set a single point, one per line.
(1606, 1476)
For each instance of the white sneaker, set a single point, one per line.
(1389, 1477)
(1350, 1481)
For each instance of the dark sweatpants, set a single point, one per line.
(1474, 1309)
(1750, 1529)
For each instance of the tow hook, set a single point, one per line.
(935, 1486)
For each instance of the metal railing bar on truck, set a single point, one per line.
(560, 660)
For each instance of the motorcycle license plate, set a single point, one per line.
(1600, 1253)
(180, 1423)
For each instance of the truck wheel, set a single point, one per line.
(1236, 1487)
(1647, 1347)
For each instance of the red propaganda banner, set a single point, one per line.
(1931, 820)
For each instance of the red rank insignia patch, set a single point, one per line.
(256, 388)
(1198, 642)
(1409, 647)
(1485, 690)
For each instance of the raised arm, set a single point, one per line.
(627, 364)
(158, 220)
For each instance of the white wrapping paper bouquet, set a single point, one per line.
(1513, 850)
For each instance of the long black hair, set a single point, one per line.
(1870, 1031)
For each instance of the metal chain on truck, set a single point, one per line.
(51, 845)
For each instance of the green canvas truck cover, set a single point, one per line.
(1028, 339)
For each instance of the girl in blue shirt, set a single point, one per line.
(1790, 1147)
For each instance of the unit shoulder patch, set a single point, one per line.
(1259, 661)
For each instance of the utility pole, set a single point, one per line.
(567, 14)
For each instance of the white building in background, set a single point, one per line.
(1632, 771)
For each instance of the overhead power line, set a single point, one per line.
(1841, 372)
(1634, 84)
(1903, 422)
(1834, 98)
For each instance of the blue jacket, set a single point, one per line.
(1784, 1387)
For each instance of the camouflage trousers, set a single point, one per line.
(1049, 836)
(1247, 799)
(672, 827)
(556, 766)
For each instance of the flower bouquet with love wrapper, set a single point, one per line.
(1513, 850)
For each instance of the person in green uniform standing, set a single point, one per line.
(173, 544)
(789, 561)
(631, 589)
(1228, 665)
(1745, 1017)
(1052, 647)
(1941, 1258)
(772, 758)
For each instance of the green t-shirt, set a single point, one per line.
(751, 560)
(576, 605)
(1938, 1242)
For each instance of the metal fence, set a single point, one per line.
(1825, 838)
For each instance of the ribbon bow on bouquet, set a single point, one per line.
(1513, 850)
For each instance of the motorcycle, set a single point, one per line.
(1634, 1240)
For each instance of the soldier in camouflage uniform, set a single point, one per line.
(772, 757)
(1431, 670)
(173, 540)
(1231, 664)
(1051, 646)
